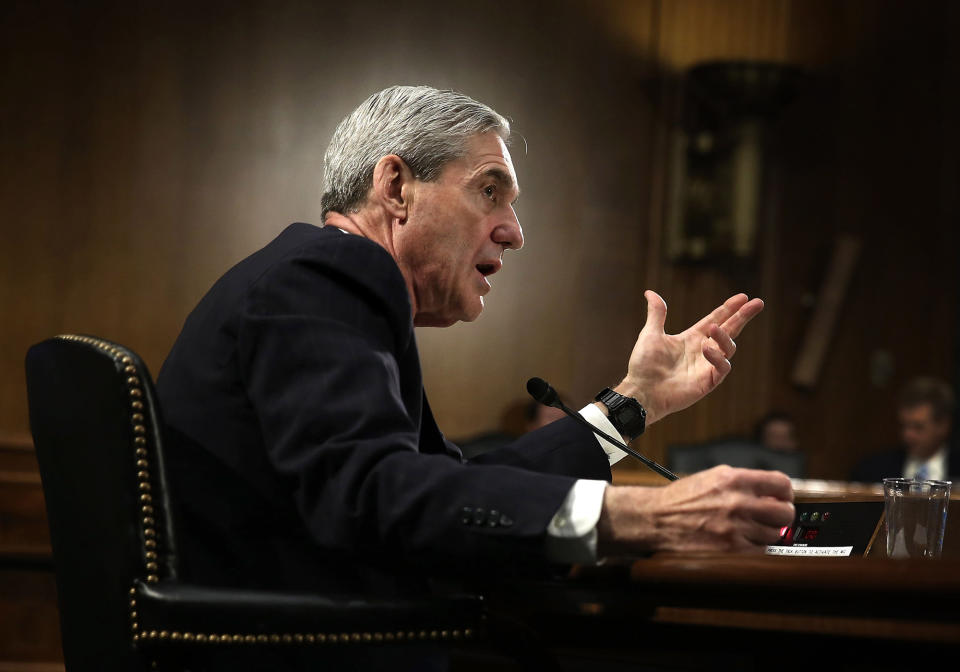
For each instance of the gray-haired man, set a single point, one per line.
(295, 403)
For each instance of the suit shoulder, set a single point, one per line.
(323, 270)
(310, 254)
(331, 246)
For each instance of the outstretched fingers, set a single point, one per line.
(720, 347)
(734, 324)
(723, 312)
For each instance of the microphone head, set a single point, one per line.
(541, 390)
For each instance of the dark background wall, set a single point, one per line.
(149, 145)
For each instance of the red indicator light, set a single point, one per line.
(784, 530)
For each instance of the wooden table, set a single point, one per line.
(744, 612)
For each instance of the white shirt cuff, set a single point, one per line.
(572, 533)
(595, 417)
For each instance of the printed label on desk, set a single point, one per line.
(819, 551)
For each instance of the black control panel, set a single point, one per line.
(830, 528)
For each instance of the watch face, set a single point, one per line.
(628, 415)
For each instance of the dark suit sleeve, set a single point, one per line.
(556, 448)
(320, 352)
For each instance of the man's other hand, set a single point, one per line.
(720, 509)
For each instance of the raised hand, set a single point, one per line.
(668, 372)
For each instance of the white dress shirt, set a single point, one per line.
(572, 533)
(934, 468)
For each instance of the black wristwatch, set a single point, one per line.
(625, 413)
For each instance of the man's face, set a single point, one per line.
(456, 231)
(921, 433)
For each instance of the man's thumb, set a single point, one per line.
(656, 310)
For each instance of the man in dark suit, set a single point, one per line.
(925, 411)
(302, 444)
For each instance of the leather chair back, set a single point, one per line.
(95, 427)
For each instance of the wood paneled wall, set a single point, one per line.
(149, 145)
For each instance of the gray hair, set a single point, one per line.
(425, 127)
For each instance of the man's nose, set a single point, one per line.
(509, 233)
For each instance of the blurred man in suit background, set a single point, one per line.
(925, 412)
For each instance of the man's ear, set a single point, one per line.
(392, 179)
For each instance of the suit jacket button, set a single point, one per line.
(505, 521)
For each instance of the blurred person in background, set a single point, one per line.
(520, 417)
(777, 431)
(773, 446)
(925, 414)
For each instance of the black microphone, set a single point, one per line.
(543, 392)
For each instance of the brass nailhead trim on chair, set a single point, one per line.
(287, 637)
(140, 442)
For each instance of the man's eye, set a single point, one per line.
(489, 191)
